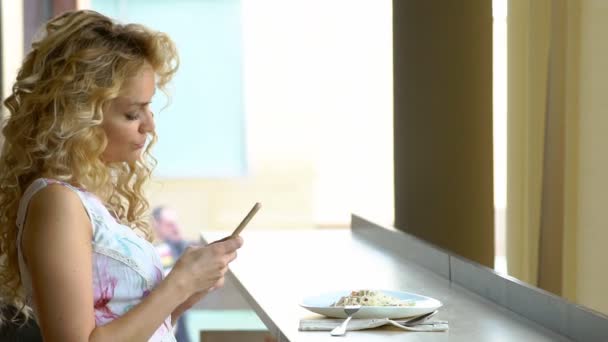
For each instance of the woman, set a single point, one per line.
(74, 236)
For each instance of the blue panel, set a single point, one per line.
(201, 133)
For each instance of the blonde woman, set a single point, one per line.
(74, 238)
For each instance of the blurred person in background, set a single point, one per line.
(170, 245)
(170, 241)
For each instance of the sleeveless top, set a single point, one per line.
(126, 267)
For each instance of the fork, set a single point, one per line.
(417, 319)
(350, 310)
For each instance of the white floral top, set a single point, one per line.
(126, 267)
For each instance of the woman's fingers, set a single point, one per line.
(206, 266)
(229, 244)
(230, 257)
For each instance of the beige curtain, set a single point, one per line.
(542, 93)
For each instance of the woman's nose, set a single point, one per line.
(148, 124)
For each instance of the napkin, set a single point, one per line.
(327, 324)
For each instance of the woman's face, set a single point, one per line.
(128, 120)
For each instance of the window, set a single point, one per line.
(202, 132)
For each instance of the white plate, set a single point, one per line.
(321, 304)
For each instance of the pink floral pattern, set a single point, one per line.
(103, 293)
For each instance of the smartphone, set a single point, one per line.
(246, 220)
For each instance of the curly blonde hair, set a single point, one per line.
(56, 109)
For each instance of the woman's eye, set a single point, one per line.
(131, 116)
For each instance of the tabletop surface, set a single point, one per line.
(276, 269)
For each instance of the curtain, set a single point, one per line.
(542, 152)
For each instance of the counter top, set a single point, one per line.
(276, 269)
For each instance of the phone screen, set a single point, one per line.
(246, 220)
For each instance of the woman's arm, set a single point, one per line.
(57, 246)
(187, 304)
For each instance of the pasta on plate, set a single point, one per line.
(370, 298)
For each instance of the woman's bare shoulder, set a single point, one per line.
(55, 209)
(53, 197)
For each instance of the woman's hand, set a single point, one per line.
(200, 269)
(192, 300)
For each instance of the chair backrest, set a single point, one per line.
(14, 332)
